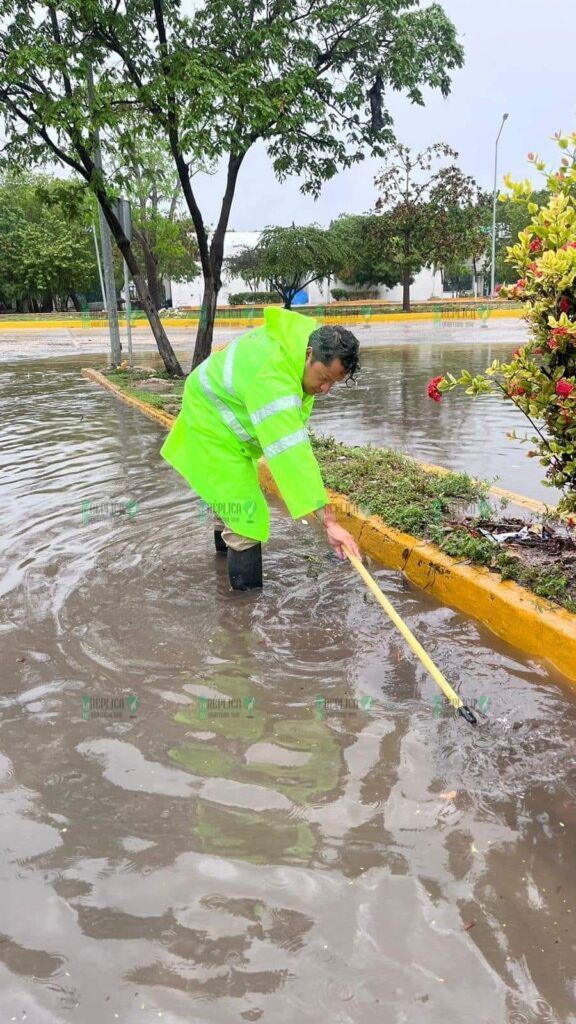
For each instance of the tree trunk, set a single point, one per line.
(164, 347)
(154, 285)
(205, 331)
(213, 258)
(76, 302)
(406, 289)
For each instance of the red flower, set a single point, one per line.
(557, 334)
(531, 455)
(564, 304)
(536, 245)
(531, 156)
(518, 390)
(538, 351)
(521, 283)
(564, 388)
(433, 392)
(517, 353)
(571, 522)
(569, 245)
(498, 288)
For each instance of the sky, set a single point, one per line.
(519, 59)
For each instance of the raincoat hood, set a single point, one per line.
(292, 332)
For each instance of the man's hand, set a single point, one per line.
(336, 535)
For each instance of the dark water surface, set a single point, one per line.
(278, 859)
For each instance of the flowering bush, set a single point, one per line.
(540, 378)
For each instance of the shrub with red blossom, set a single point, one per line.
(540, 378)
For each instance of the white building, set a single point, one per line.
(427, 284)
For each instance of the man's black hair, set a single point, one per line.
(334, 342)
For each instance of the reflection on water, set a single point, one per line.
(389, 407)
(236, 844)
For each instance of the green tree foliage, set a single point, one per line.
(289, 259)
(428, 217)
(512, 218)
(47, 54)
(46, 243)
(306, 77)
(364, 259)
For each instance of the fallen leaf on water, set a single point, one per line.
(468, 926)
(449, 796)
(473, 848)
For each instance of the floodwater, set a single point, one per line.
(389, 406)
(329, 844)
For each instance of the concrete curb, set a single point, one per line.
(186, 322)
(155, 414)
(513, 613)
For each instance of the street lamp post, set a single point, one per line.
(494, 198)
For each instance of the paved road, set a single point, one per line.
(29, 344)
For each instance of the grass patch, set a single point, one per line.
(386, 483)
(169, 401)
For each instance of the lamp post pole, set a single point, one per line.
(494, 198)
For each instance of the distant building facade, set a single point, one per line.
(427, 284)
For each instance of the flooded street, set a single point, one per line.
(389, 406)
(219, 807)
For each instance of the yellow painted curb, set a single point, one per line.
(57, 325)
(186, 322)
(155, 414)
(510, 611)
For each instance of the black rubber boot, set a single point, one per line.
(245, 568)
(220, 545)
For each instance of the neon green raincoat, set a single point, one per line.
(244, 401)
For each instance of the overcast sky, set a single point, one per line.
(519, 58)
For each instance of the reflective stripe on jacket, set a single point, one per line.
(244, 401)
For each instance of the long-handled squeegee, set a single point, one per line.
(411, 640)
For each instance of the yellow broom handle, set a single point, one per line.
(406, 633)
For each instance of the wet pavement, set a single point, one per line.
(218, 807)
